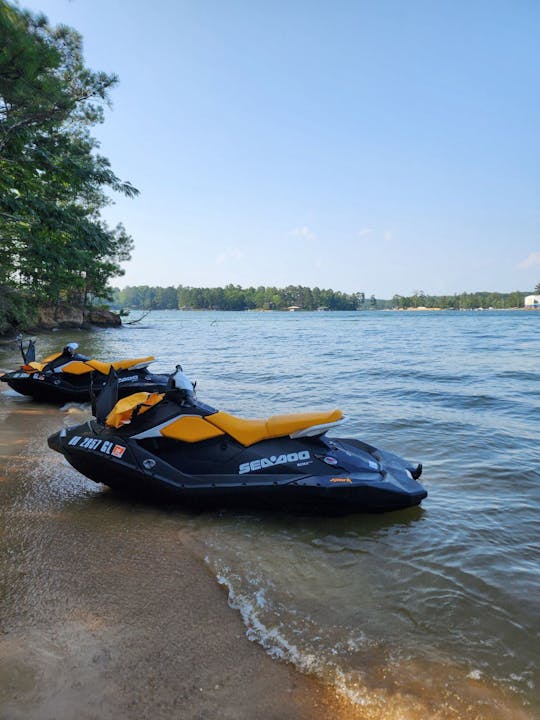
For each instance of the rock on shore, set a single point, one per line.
(64, 316)
(104, 318)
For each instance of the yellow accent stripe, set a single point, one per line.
(76, 367)
(50, 358)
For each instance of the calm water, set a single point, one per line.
(430, 612)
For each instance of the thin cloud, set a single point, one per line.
(531, 260)
(302, 232)
(365, 231)
(230, 254)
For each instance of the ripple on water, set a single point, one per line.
(423, 613)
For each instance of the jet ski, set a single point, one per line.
(69, 376)
(169, 446)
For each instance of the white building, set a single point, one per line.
(532, 301)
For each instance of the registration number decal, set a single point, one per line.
(104, 446)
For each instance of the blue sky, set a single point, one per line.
(373, 146)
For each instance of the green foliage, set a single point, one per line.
(233, 297)
(15, 311)
(463, 301)
(55, 247)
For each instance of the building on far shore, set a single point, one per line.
(532, 301)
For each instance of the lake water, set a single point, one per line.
(429, 612)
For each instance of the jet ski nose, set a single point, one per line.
(54, 442)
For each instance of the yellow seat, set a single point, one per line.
(249, 432)
(78, 367)
(101, 367)
(190, 428)
(122, 412)
(126, 364)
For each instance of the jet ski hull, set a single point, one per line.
(316, 474)
(58, 389)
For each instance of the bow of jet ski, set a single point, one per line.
(171, 446)
(69, 376)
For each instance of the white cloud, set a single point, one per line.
(388, 235)
(303, 232)
(364, 231)
(229, 254)
(531, 260)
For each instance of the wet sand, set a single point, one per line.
(148, 642)
(105, 614)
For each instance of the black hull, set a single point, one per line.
(141, 474)
(59, 393)
(288, 496)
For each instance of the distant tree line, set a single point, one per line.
(234, 297)
(461, 301)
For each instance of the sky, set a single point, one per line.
(373, 146)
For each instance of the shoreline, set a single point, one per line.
(120, 656)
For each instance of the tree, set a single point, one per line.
(54, 244)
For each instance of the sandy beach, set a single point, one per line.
(107, 613)
(148, 637)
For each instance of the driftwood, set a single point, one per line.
(132, 322)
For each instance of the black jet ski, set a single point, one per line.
(69, 376)
(171, 446)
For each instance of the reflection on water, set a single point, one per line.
(428, 612)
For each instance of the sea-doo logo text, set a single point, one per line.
(128, 379)
(273, 460)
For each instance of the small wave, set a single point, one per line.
(75, 407)
(523, 375)
(385, 684)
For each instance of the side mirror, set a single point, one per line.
(178, 380)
